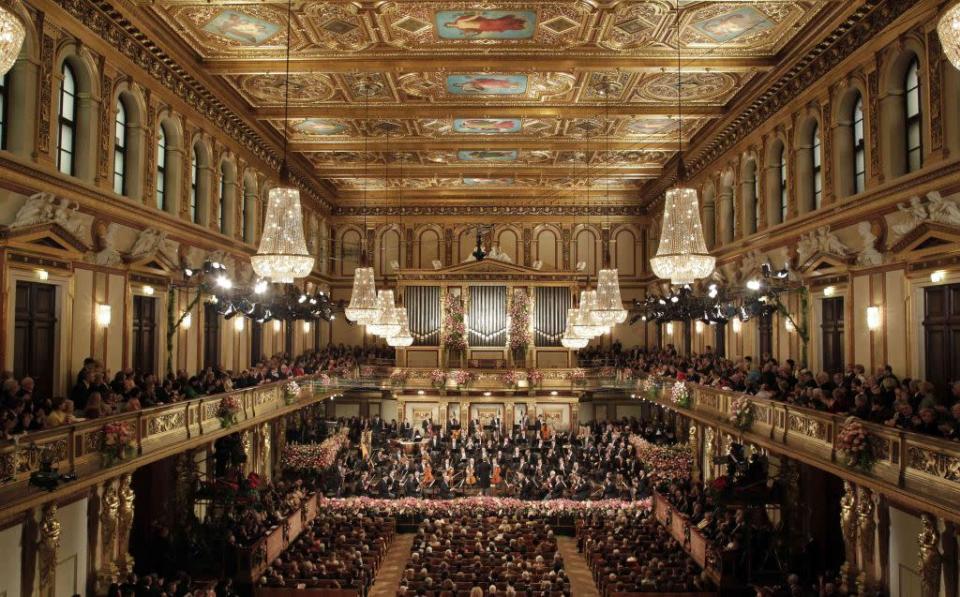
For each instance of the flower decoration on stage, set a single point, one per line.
(116, 443)
(399, 376)
(417, 508)
(227, 411)
(463, 377)
(577, 376)
(535, 377)
(742, 413)
(291, 392)
(649, 388)
(519, 321)
(608, 372)
(510, 378)
(662, 463)
(325, 380)
(856, 445)
(680, 394)
(315, 457)
(367, 371)
(626, 374)
(454, 330)
(438, 377)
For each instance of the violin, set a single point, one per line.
(495, 478)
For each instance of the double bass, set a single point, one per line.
(495, 478)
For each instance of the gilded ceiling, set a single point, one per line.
(487, 96)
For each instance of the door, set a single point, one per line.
(256, 342)
(831, 332)
(35, 335)
(765, 332)
(941, 329)
(211, 336)
(144, 334)
(720, 339)
(288, 329)
(687, 337)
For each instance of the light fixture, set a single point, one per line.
(12, 34)
(938, 276)
(737, 325)
(276, 326)
(403, 338)
(584, 325)
(187, 321)
(224, 282)
(306, 327)
(949, 31)
(260, 287)
(238, 323)
(387, 322)
(829, 291)
(788, 325)
(487, 394)
(699, 326)
(148, 290)
(873, 318)
(609, 308)
(420, 392)
(42, 274)
(104, 315)
(571, 338)
(669, 328)
(282, 255)
(363, 302)
(712, 291)
(753, 284)
(553, 392)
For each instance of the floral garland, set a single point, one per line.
(227, 411)
(577, 376)
(519, 332)
(664, 463)
(511, 378)
(315, 457)
(855, 444)
(438, 377)
(454, 330)
(480, 505)
(367, 371)
(463, 377)
(608, 372)
(534, 376)
(116, 443)
(742, 413)
(398, 376)
(291, 392)
(681, 395)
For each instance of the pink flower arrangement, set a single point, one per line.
(438, 377)
(680, 394)
(398, 376)
(856, 445)
(325, 380)
(741, 413)
(664, 463)
(510, 378)
(463, 377)
(315, 457)
(367, 371)
(626, 373)
(577, 376)
(454, 330)
(535, 376)
(227, 411)
(116, 443)
(608, 372)
(291, 391)
(519, 321)
(480, 506)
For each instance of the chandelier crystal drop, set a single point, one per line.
(282, 255)
(363, 301)
(387, 322)
(682, 256)
(585, 324)
(12, 34)
(949, 30)
(609, 303)
(402, 338)
(570, 339)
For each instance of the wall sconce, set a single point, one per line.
(187, 321)
(670, 328)
(699, 326)
(938, 276)
(829, 291)
(42, 274)
(873, 318)
(276, 326)
(148, 290)
(238, 323)
(104, 315)
(788, 325)
(306, 327)
(737, 324)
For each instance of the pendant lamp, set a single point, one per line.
(387, 322)
(570, 338)
(584, 325)
(12, 33)
(949, 31)
(402, 338)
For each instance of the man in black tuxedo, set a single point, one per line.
(483, 476)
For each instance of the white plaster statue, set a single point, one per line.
(149, 242)
(45, 208)
(751, 263)
(829, 243)
(108, 253)
(943, 210)
(869, 255)
(917, 213)
(806, 247)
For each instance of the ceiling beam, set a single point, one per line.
(425, 110)
(490, 142)
(346, 63)
(376, 171)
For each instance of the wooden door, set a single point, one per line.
(144, 332)
(211, 336)
(831, 332)
(941, 327)
(256, 342)
(765, 333)
(687, 337)
(720, 339)
(35, 334)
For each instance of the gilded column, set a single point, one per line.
(931, 562)
(109, 512)
(125, 524)
(263, 468)
(848, 527)
(948, 540)
(694, 445)
(47, 548)
(708, 453)
(867, 534)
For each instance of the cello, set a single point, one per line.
(495, 478)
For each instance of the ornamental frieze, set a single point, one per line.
(490, 210)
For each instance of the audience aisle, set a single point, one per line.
(394, 563)
(581, 579)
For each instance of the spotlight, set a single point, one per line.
(938, 276)
(753, 284)
(712, 293)
(782, 274)
(662, 302)
(829, 290)
(260, 287)
(765, 270)
(224, 282)
(188, 272)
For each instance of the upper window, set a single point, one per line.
(245, 211)
(120, 150)
(4, 104)
(859, 148)
(221, 223)
(783, 184)
(161, 168)
(914, 137)
(67, 119)
(194, 181)
(817, 169)
(756, 199)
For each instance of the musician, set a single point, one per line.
(483, 476)
(411, 486)
(436, 445)
(609, 487)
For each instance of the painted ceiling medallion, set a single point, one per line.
(700, 87)
(485, 24)
(320, 127)
(268, 89)
(446, 87)
(241, 28)
(486, 126)
(733, 24)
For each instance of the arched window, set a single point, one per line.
(120, 150)
(244, 214)
(914, 136)
(783, 183)
(161, 168)
(67, 119)
(859, 148)
(817, 169)
(194, 185)
(221, 222)
(4, 116)
(756, 201)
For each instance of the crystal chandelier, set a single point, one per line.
(570, 338)
(949, 30)
(282, 255)
(12, 34)
(387, 322)
(585, 324)
(682, 255)
(402, 338)
(363, 301)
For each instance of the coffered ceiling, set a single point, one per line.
(465, 101)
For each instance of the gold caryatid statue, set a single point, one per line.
(931, 560)
(109, 513)
(47, 548)
(848, 528)
(125, 523)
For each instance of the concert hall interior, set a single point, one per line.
(511, 298)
